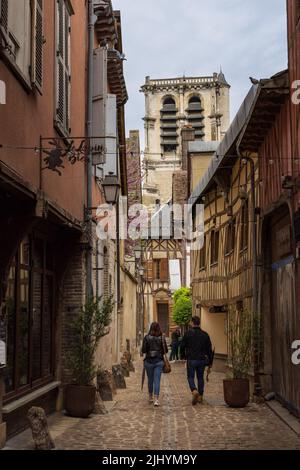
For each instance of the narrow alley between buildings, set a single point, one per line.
(132, 423)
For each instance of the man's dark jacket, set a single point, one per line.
(196, 345)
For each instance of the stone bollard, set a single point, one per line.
(112, 382)
(118, 375)
(39, 427)
(125, 367)
(128, 357)
(104, 385)
(99, 408)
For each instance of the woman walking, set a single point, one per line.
(154, 347)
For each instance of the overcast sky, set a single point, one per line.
(171, 38)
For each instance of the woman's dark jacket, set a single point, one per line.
(154, 347)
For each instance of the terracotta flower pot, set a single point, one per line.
(80, 400)
(236, 392)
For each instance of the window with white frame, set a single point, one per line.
(22, 39)
(63, 66)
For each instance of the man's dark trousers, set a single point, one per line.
(196, 367)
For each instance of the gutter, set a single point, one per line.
(89, 172)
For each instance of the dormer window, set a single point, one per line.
(169, 125)
(195, 116)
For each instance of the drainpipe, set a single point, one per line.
(118, 254)
(257, 386)
(89, 173)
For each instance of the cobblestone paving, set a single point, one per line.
(133, 423)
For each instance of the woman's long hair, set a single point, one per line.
(155, 329)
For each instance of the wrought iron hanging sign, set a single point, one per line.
(57, 151)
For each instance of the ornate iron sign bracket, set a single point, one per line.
(58, 150)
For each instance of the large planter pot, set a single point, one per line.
(80, 400)
(236, 392)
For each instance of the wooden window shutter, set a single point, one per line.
(60, 66)
(67, 68)
(63, 67)
(100, 101)
(38, 44)
(164, 270)
(4, 14)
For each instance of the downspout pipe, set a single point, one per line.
(89, 168)
(257, 386)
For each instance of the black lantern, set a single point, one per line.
(137, 252)
(111, 188)
(141, 271)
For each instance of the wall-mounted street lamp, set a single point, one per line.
(137, 252)
(141, 271)
(111, 187)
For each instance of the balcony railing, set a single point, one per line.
(182, 80)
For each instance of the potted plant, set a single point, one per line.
(241, 334)
(91, 324)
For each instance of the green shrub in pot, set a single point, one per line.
(88, 327)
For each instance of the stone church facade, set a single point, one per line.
(171, 104)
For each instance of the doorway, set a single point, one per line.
(163, 317)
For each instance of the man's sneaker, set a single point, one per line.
(150, 399)
(156, 403)
(196, 396)
(200, 399)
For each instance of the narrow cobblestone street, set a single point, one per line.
(132, 423)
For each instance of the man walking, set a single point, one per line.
(174, 345)
(197, 350)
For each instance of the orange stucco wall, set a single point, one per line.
(27, 115)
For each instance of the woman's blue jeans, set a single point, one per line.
(154, 371)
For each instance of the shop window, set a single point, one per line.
(29, 318)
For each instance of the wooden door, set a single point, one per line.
(285, 376)
(163, 317)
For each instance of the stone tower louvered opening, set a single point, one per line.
(169, 126)
(195, 117)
